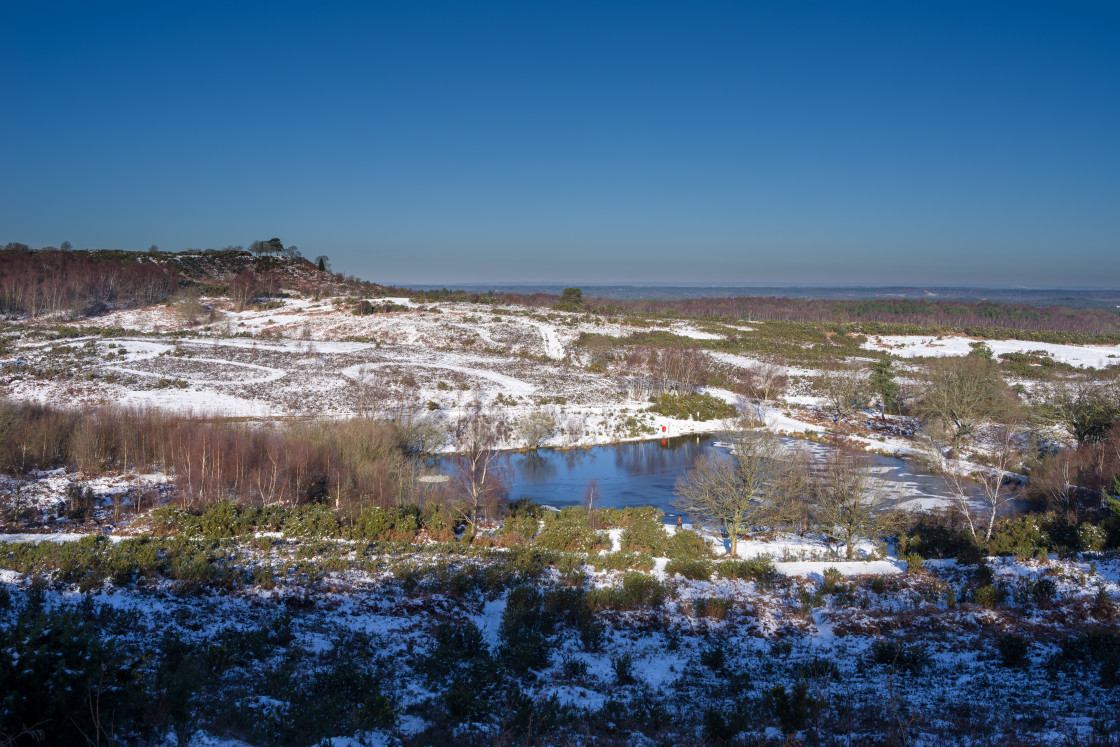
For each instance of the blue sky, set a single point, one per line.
(430, 142)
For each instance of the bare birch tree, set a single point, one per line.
(932, 446)
(997, 486)
(480, 474)
(762, 382)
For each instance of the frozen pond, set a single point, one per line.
(645, 474)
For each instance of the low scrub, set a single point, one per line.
(569, 531)
(694, 570)
(636, 591)
(700, 407)
(909, 659)
(716, 608)
(759, 570)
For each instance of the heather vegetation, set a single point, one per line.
(340, 555)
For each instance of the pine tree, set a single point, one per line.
(882, 381)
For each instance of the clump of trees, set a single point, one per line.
(275, 247)
(651, 371)
(763, 382)
(570, 300)
(762, 484)
(743, 490)
(348, 465)
(961, 393)
(37, 283)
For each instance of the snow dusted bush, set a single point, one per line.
(63, 681)
(695, 570)
(636, 591)
(1098, 649)
(646, 534)
(989, 596)
(909, 659)
(760, 570)
(1013, 650)
(716, 608)
(386, 524)
(622, 561)
(569, 531)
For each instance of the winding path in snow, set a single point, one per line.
(509, 384)
(552, 345)
(272, 374)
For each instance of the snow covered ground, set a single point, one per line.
(878, 647)
(913, 346)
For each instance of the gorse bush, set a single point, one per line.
(759, 570)
(92, 561)
(59, 676)
(909, 659)
(646, 534)
(636, 591)
(1013, 650)
(525, 630)
(989, 595)
(398, 524)
(687, 545)
(717, 608)
(1022, 538)
(700, 407)
(569, 531)
(622, 561)
(695, 570)
(1097, 649)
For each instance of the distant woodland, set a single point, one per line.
(82, 283)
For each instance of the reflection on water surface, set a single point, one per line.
(644, 473)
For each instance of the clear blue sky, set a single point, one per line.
(879, 142)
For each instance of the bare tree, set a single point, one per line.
(740, 490)
(424, 434)
(536, 428)
(997, 484)
(591, 493)
(762, 382)
(480, 473)
(931, 452)
(1055, 479)
(243, 289)
(851, 502)
(370, 390)
(655, 371)
(844, 389)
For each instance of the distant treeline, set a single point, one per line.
(81, 283)
(900, 311)
(53, 281)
